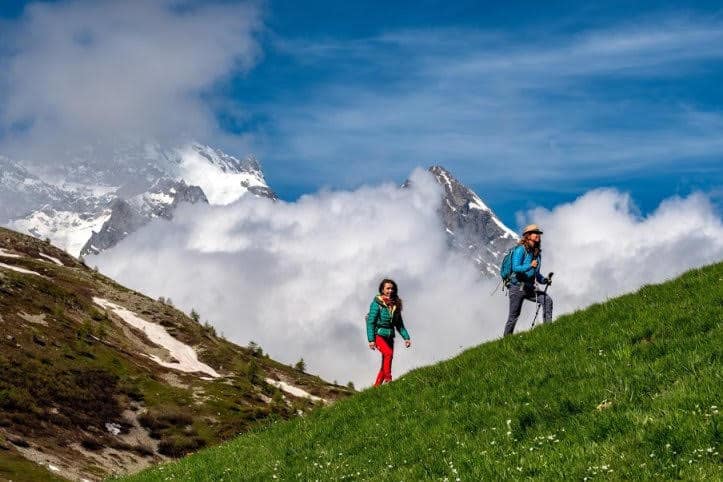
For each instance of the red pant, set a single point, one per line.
(386, 347)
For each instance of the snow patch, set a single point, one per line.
(447, 180)
(222, 182)
(88, 190)
(509, 234)
(113, 428)
(7, 254)
(66, 229)
(454, 209)
(20, 270)
(292, 390)
(187, 357)
(476, 203)
(50, 258)
(159, 198)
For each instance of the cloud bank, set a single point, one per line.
(600, 247)
(298, 277)
(80, 73)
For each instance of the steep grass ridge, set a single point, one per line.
(630, 388)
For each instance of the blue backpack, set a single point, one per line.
(506, 266)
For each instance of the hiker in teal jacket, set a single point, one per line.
(526, 263)
(385, 316)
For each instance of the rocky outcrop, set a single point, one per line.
(472, 227)
(128, 216)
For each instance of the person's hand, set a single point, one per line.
(534, 263)
(407, 343)
(372, 345)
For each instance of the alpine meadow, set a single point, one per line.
(625, 389)
(258, 240)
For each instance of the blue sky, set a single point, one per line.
(530, 105)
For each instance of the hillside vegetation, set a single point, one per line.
(85, 394)
(629, 388)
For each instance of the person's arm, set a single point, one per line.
(518, 258)
(371, 321)
(401, 329)
(540, 279)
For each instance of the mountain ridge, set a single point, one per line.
(472, 227)
(91, 223)
(88, 211)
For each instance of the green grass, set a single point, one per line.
(14, 467)
(630, 388)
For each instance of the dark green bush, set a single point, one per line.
(179, 445)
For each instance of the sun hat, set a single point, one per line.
(532, 228)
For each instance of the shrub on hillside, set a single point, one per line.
(159, 421)
(16, 399)
(131, 390)
(144, 450)
(195, 316)
(179, 445)
(98, 315)
(90, 443)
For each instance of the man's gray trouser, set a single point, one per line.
(519, 293)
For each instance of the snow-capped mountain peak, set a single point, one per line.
(93, 201)
(223, 178)
(471, 226)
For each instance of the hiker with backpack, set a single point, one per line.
(520, 271)
(384, 317)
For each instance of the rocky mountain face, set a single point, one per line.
(472, 227)
(97, 379)
(128, 216)
(87, 218)
(86, 206)
(22, 192)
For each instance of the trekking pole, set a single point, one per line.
(547, 285)
(498, 285)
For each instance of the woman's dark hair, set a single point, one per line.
(523, 241)
(391, 282)
(395, 292)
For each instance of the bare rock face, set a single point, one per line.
(471, 226)
(22, 192)
(129, 216)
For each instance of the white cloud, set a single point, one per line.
(599, 247)
(298, 277)
(93, 72)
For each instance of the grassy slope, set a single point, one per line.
(18, 469)
(63, 378)
(527, 406)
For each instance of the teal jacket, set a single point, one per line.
(382, 321)
(522, 269)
